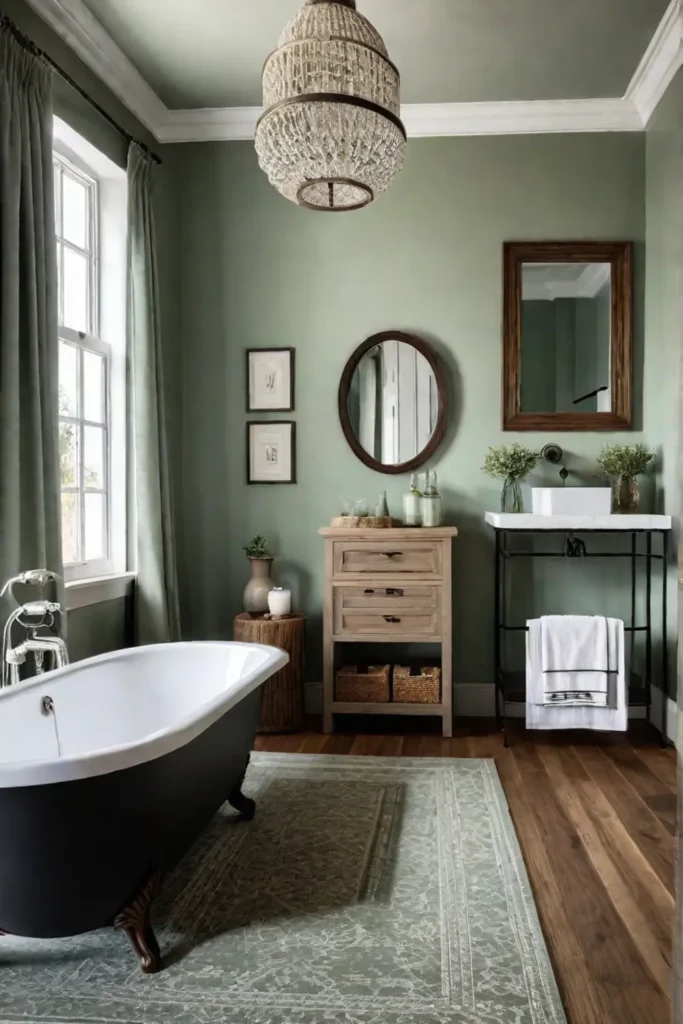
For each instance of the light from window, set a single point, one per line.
(84, 377)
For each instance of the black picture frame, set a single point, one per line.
(292, 381)
(292, 437)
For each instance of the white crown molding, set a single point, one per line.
(546, 288)
(428, 120)
(520, 118)
(662, 59)
(219, 124)
(78, 27)
(81, 30)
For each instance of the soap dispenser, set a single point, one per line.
(432, 505)
(412, 504)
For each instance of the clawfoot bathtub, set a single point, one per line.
(109, 770)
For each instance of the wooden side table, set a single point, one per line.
(282, 704)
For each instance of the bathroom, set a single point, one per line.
(239, 269)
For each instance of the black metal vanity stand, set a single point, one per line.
(511, 686)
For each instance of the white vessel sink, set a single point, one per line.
(572, 501)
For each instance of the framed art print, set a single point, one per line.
(270, 380)
(271, 453)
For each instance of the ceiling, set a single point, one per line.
(209, 53)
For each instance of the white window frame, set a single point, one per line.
(105, 337)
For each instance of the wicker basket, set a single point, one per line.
(362, 522)
(356, 685)
(422, 687)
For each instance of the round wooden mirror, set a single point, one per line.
(392, 402)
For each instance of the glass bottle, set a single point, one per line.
(412, 504)
(432, 505)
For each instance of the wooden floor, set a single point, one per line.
(596, 821)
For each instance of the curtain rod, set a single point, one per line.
(28, 44)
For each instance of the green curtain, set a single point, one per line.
(30, 532)
(157, 616)
(678, 945)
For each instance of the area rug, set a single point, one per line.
(365, 891)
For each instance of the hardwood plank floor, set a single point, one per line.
(596, 821)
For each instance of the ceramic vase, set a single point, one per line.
(626, 492)
(256, 592)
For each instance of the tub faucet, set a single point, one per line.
(32, 617)
(39, 646)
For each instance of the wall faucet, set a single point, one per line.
(32, 616)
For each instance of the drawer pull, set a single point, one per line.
(368, 591)
(391, 592)
(389, 554)
(391, 618)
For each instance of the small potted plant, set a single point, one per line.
(260, 585)
(510, 463)
(622, 464)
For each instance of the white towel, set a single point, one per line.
(604, 719)
(576, 660)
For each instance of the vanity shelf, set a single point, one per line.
(390, 586)
(511, 686)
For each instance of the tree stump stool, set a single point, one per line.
(282, 702)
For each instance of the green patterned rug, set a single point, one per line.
(365, 891)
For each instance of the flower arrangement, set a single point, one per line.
(510, 463)
(624, 459)
(257, 547)
(622, 464)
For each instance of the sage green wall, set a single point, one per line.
(539, 354)
(97, 629)
(257, 271)
(664, 291)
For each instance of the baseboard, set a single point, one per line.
(478, 700)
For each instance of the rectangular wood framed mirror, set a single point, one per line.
(567, 327)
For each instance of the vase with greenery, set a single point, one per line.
(622, 464)
(510, 463)
(260, 585)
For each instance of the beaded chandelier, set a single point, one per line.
(331, 137)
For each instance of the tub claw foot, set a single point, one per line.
(134, 921)
(239, 801)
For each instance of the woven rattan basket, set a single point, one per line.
(362, 522)
(416, 686)
(356, 685)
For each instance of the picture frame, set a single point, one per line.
(270, 379)
(271, 452)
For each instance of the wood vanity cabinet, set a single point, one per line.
(388, 586)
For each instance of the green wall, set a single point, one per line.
(539, 355)
(663, 306)
(257, 271)
(97, 629)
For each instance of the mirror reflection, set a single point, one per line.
(393, 402)
(566, 337)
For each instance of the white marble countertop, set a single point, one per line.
(528, 521)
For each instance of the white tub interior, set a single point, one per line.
(128, 699)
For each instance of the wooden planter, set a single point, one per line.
(282, 703)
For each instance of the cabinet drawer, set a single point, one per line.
(390, 600)
(354, 558)
(355, 623)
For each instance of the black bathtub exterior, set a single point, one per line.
(73, 855)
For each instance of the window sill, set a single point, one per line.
(82, 593)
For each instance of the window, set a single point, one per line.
(91, 364)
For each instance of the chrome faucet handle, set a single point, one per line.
(39, 609)
(32, 578)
